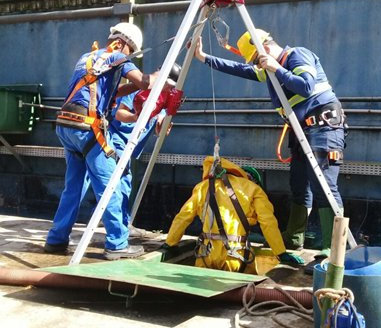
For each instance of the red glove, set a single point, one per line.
(174, 101)
(141, 97)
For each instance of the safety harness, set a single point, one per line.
(79, 117)
(202, 249)
(331, 114)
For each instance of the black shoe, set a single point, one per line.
(56, 248)
(309, 268)
(130, 252)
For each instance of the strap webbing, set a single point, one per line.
(236, 204)
(242, 217)
(216, 212)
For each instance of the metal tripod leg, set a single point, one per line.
(294, 122)
(159, 142)
(140, 125)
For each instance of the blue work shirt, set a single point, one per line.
(124, 130)
(106, 84)
(301, 77)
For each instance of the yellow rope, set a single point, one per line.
(334, 294)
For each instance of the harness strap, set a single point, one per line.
(243, 219)
(216, 212)
(335, 157)
(232, 238)
(331, 114)
(95, 126)
(236, 204)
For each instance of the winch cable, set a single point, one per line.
(216, 154)
(198, 28)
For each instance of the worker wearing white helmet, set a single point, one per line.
(319, 112)
(129, 33)
(81, 130)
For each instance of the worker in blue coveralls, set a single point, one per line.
(320, 114)
(122, 122)
(121, 125)
(81, 129)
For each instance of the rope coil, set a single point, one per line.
(343, 299)
(334, 294)
(277, 308)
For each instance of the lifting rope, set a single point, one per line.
(216, 153)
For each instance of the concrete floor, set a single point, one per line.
(21, 247)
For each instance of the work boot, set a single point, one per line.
(56, 248)
(293, 236)
(326, 215)
(136, 232)
(130, 252)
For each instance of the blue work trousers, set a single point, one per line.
(99, 168)
(305, 186)
(126, 179)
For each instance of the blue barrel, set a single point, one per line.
(362, 275)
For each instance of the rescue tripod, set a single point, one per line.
(150, 105)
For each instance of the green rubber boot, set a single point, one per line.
(326, 215)
(294, 235)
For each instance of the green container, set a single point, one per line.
(17, 113)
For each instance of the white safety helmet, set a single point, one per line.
(129, 33)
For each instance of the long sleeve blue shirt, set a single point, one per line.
(301, 77)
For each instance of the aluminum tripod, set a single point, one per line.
(150, 103)
(140, 125)
(289, 113)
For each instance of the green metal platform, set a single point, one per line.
(175, 277)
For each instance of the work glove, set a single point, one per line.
(165, 246)
(141, 97)
(174, 101)
(290, 258)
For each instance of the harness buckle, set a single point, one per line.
(335, 157)
(103, 123)
(310, 121)
(110, 152)
(233, 252)
(324, 116)
(202, 250)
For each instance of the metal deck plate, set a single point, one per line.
(175, 277)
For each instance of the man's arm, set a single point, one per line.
(267, 221)
(231, 67)
(183, 219)
(124, 114)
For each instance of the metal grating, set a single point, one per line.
(35, 151)
(355, 168)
